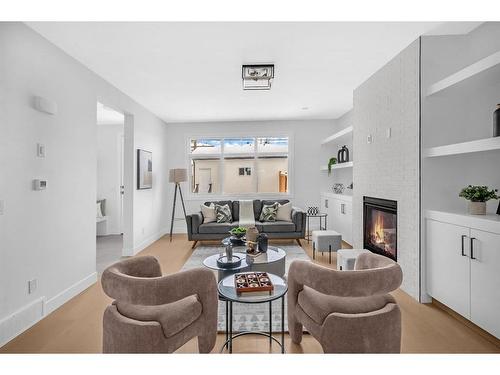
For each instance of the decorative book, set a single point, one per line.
(252, 283)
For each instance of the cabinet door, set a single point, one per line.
(448, 271)
(485, 281)
(334, 216)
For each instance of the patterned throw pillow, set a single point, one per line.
(223, 213)
(269, 212)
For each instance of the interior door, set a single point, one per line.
(485, 281)
(448, 265)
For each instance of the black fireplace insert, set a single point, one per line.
(380, 223)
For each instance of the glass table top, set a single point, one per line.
(227, 289)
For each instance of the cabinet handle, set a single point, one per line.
(326, 203)
(463, 238)
(472, 247)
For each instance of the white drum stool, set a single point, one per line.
(326, 240)
(347, 257)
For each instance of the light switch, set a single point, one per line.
(369, 139)
(40, 150)
(388, 133)
(32, 285)
(2, 206)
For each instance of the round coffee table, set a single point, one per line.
(211, 262)
(227, 291)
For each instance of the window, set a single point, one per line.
(239, 165)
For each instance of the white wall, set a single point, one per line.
(388, 168)
(305, 138)
(109, 164)
(50, 235)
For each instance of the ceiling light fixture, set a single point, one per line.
(257, 77)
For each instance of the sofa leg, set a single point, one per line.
(298, 241)
(194, 244)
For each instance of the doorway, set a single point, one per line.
(110, 186)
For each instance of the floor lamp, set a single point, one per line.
(177, 176)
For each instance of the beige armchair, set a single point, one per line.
(158, 314)
(346, 311)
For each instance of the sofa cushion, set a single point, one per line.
(277, 226)
(208, 213)
(217, 228)
(173, 317)
(318, 305)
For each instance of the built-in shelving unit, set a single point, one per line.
(480, 145)
(466, 73)
(337, 135)
(338, 166)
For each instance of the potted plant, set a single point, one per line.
(478, 196)
(331, 162)
(238, 232)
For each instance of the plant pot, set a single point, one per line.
(477, 208)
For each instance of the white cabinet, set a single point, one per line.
(463, 271)
(485, 280)
(339, 210)
(448, 278)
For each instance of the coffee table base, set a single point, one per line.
(228, 344)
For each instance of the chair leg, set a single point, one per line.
(298, 241)
(330, 253)
(194, 244)
(314, 250)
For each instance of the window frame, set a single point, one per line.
(255, 155)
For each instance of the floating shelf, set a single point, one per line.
(487, 144)
(466, 73)
(349, 164)
(339, 134)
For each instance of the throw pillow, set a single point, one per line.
(284, 212)
(269, 212)
(208, 213)
(223, 214)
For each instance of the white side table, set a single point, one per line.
(347, 257)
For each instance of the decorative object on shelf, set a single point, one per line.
(338, 188)
(177, 176)
(263, 241)
(144, 170)
(478, 196)
(496, 122)
(331, 162)
(343, 155)
(350, 186)
(312, 210)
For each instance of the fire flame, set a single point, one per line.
(378, 228)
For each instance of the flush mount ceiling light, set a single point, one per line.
(257, 77)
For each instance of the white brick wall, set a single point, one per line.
(389, 167)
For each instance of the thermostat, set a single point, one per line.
(39, 184)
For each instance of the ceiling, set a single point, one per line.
(191, 72)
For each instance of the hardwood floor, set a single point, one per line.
(76, 326)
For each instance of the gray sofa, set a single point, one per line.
(295, 229)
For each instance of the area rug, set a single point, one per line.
(249, 317)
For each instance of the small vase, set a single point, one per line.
(496, 122)
(477, 208)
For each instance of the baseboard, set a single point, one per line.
(67, 294)
(148, 241)
(19, 321)
(486, 335)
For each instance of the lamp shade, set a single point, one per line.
(178, 175)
